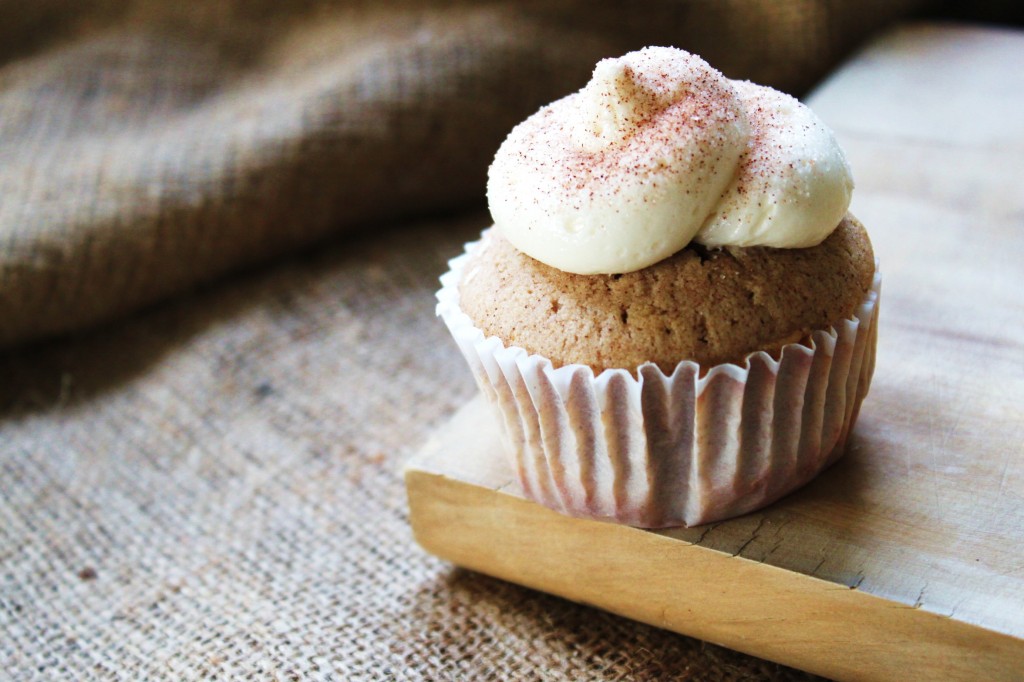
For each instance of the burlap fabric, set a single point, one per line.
(147, 146)
(210, 489)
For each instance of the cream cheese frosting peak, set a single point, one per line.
(624, 94)
(658, 149)
(793, 185)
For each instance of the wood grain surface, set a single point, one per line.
(908, 555)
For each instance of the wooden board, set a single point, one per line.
(906, 558)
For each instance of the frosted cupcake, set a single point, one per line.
(673, 317)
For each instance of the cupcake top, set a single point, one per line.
(710, 306)
(658, 150)
(666, 213)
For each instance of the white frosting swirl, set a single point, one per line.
(657, 150)
(793, 185)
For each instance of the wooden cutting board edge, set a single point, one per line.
(822, 627)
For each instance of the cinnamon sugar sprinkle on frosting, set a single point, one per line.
(658, 149)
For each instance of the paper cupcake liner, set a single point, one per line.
(653, 451)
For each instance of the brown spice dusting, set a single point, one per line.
(698, 117)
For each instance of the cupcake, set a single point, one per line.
(673, 317)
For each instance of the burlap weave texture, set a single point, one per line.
(212, 491)
(148, 146)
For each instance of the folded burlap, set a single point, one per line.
(148, 146)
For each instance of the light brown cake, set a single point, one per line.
(710, 306)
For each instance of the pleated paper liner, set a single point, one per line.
(654, 451)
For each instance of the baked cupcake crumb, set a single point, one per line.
(711, 306)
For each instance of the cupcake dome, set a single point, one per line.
(710, 306)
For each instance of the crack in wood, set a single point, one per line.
(1002, 478)
(920, 597)
(771, 551)
(956, 606)
(753, 536)
(779, 542)
(505, 487)
(704, 534)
